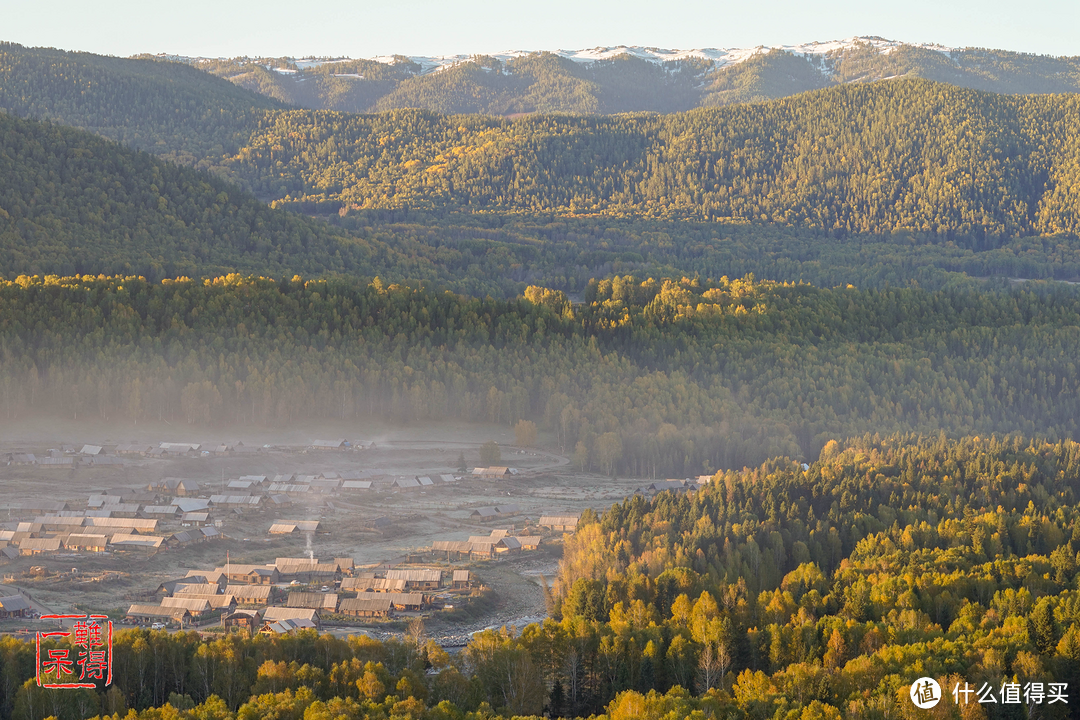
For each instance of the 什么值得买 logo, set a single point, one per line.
(925, 693)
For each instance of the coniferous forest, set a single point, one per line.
(815, 300)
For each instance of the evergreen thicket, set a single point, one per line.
(653, 378)
(169, 109)
(73, 203)
(901, 156)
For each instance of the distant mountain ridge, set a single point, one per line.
(717, 57)
(865, 182)
(607, 80)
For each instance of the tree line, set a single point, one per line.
(941, 162)
(826, 589)
(167, 108)
(646, 377)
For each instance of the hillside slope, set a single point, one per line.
(645, 377)
(71, 202)
(612, 80)
(169, 109)
(906, 156)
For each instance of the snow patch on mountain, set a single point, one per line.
(718, 57)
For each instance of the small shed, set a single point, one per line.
(216, 601)
(529, 542)
(417, 578)
(38, 546)
(274, 614)
(314, 600)
(339, 444)
(14, 606)
(124, 541)
(662, 485)
(237, 501)
(187, 505)
(248, 621)
(366, 607)
(87, 543)
(157, 613)
(252, 574)
(287, 626)
(198, 607)
(406, 601)
(379, 585)
(564, 522)
(497, 472)
(507, 545)
(194, 519)
(250, 594)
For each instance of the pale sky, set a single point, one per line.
(363, 29)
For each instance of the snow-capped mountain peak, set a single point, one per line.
(719, 57)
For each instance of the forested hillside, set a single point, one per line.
(779, 74)
(647, 378)
(867, 184)
(485, 206)
(546, 83)
(905, 155)
(872, 185)
(772, 592)
(71, 202)
(838, 585)
(169, 109)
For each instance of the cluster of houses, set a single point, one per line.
(501, 542)
(116, 519)
(255, 491)
(69, 456)
(165, 513)
(81, 534)
(262, 598)
(479, 547)
(420, 482)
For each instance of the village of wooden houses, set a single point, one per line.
(167, 535)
